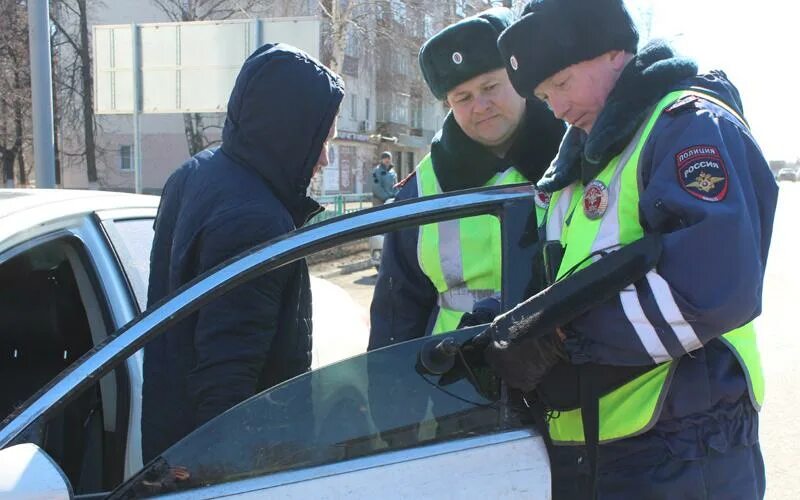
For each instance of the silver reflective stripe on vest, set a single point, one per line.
(457, 296)
(450, 252)
(558, 213)
(460, 298)
(608, 235)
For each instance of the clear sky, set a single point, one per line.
(757, 44)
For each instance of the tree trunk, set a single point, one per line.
(87, 101)
(19, 126)
(56, 149)
(193, 126)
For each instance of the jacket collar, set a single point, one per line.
(650, 75)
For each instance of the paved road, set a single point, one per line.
(779, 341)
(359, 285)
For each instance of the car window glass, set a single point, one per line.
(369, 404)
(132, 240)
(373, 403)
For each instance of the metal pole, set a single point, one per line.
(42, 93)
(137, 109)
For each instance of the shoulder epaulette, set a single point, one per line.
(403, 182)
(682, 105)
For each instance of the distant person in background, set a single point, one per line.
(223, 201)
(384, 179)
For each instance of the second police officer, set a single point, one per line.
(431, 276)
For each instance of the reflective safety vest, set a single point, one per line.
(636, 405)
(461, 257)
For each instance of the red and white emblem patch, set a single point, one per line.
(702, 173)
(541, 198)
(595, 200)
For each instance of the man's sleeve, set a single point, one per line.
(404, 298)
(390, 184)
(710, 193)
(234, 332)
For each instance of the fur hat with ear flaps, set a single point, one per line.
(463, 50)
(555, 34)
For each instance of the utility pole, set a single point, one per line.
(42, 93)
(137, 108)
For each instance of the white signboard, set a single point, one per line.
(186, 67)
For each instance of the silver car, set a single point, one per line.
(376, 246)
(74, 265)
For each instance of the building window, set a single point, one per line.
(125, 158)
(353, 106)
(410, 163)
(366, 109)
(416, 113)
(397, 159)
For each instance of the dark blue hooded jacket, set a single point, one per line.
(218, 204)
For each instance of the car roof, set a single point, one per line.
(22, 209)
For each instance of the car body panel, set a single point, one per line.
(28, 213)
(467, 468)
(28, 473)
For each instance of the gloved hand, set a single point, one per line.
(523, 362)
(483, 311)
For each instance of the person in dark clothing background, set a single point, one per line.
(384, 179)
(223, 201)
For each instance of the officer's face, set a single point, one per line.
(322, 161)
(487, 108)
(578, 93)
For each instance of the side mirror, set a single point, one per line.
(27, 473)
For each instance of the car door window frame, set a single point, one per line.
(97, 276)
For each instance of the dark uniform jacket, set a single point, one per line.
(217, 205)
(404, 305)
(716, 241)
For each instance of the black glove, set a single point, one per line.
(484, 311)
(523, 362)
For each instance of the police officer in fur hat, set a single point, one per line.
(652, 147)
(491, 136)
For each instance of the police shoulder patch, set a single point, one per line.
(702, 173)
(405, 180)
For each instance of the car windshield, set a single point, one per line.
(379, 401)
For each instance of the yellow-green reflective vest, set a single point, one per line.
(461, 257)
(635, 406)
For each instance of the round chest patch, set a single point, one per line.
(595, 200)
(541, 198)
(458, 58)
(514, 63)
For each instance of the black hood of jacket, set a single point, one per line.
(462, 163)
(279, 114)
(648, 77)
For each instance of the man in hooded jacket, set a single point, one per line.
(221, 202)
